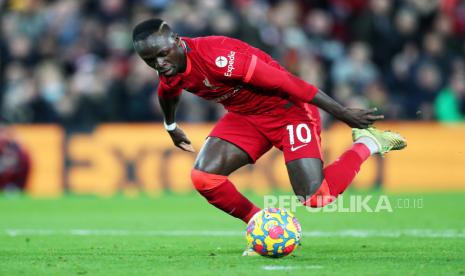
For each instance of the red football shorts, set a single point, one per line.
(294, 130)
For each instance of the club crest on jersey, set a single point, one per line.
(209, 85)
(221, 61)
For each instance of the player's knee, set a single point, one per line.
(310, 188)
(315, 185)
(206, 181)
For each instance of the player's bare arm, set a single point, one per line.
(354, 117)
(168, 106)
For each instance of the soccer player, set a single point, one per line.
(267, 106)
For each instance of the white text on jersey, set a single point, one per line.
(231, 55)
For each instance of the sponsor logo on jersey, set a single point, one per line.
(229, 94)
(221, 61)
(209, 85)
(230, 68)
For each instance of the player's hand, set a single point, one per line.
(360, 118)
(180, 140)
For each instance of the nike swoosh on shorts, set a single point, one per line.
(298, 147)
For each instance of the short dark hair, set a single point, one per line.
(148, 27)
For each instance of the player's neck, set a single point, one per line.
(183, 67)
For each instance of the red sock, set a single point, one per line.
(221, 193)
(341, 172)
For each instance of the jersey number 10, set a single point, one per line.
(302, 132)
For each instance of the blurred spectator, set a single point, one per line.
(14, 162)
(450, 103)
(23, 101)
(375, 27)
(434, 52)
(319, 27)
(455, 11)
(406, 29)
(427, 82)
(356, 69)
(399, 79)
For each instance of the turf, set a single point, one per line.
(165, 235)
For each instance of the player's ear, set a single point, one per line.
(176, 38)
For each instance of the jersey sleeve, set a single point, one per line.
(237, 64)
(261, 74)
(164, 91)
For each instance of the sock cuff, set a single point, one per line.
(206, 181)
(361, 150)
(369, 143)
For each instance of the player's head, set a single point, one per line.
(159, 47)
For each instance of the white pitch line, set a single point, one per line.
(290, 267)
(421, 233)
(120, 232)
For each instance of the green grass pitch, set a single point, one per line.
(183, 235)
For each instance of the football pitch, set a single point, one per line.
(183, 235)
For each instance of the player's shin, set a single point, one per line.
(342, 172)
(339, 175)
(221, 193)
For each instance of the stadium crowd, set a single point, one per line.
(72, 62)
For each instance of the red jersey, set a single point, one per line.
(242, 78)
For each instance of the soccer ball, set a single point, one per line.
(273, 232)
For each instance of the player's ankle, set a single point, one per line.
(370, 143)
